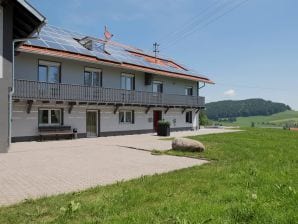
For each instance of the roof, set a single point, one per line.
(26, 19)
(31, 9)
(63, 43)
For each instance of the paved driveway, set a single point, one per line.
(34, 169)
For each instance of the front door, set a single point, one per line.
(91, 123)
(157, 115)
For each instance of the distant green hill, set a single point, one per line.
(286, 118)
(243, 108)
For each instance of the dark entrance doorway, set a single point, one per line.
(157, 115)
(92, 123)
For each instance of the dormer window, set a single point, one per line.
(88, 43)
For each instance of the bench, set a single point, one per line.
(55, 132)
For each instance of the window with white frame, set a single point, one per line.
(189, 91)
(49, 117)
(92, 77)
(157, 87)
(126, 117)
(48, 71)
(127, 81)
(188, 117)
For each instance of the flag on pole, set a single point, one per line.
(107, 34)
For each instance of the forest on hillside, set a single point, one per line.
(230, 109)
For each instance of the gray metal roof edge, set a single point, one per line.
(32, 10)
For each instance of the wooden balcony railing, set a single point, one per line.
(34, 90)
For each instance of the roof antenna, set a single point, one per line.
(155, 50)
(107, 36)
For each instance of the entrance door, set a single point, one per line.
(91, 123)
(157, 115)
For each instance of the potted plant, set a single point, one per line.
(163, 128)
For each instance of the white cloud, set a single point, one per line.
(230, 93)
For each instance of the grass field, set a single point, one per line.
(252, 178)
(278, 120)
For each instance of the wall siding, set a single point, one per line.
(73, 73)
(25, 124)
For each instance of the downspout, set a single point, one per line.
(198, 86)
(11, 92)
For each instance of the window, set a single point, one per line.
(127, 81)
(49, 72)
(188, 117)
(157, 87)
(126, 117)
(50, 116)
(92, 77)
(189, 91)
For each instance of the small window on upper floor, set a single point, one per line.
(157, 87)
(92, 77)
(49, 71)
(127, 81)
(189, 91)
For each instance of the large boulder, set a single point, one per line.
(189, 145)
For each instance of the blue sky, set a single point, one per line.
(250, 52)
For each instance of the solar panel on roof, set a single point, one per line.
(70, 48)
(55, 45)
(38, 43)
(61, 39)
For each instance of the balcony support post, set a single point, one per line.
(71, 104)
(198, 110)
(167, 109)
(116, 108)
(147, 110)
(184, 109)
(29, 106)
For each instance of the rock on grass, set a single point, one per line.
(187, 145)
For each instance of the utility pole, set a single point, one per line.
(155, 49)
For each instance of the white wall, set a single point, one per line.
(27, 124)
(73, 73)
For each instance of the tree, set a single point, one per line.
(243, 108)
(203, 118)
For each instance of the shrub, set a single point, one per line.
(163, 123)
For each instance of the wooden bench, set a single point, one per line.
(55, 132)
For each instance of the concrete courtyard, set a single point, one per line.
(36, 169)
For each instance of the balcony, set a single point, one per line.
(34, 90)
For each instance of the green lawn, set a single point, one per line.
(278, 119)
(252, 178)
